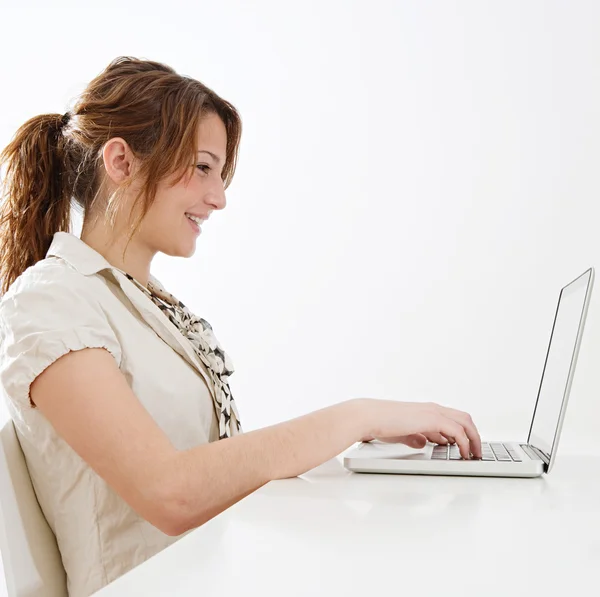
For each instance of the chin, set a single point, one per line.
(189, 249)
(191, 252)
(180, 250)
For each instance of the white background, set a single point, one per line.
(417, 180)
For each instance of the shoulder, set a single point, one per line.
(49, 310)
(50, 293)
(48, 277)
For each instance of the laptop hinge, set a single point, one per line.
(541, 455)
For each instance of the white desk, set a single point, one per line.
(332, 532)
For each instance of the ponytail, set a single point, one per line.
(35, 194)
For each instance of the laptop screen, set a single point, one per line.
(560, 363)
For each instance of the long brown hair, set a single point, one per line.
(53, 160)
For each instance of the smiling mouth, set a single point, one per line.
(197, 229)
(196, 219)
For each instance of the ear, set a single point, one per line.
(118, 158)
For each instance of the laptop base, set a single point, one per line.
(379, 457)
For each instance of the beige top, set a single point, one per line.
(70, 300)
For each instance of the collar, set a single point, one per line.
(81, 256)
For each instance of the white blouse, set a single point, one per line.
(71, 300)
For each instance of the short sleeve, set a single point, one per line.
(48, 313)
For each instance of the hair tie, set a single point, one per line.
(65, 118)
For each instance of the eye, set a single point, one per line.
(203, 166)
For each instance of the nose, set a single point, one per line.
(217, 199)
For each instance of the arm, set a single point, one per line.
(90, 404)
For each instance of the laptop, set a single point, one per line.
(503, 458)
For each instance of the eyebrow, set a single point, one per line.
(211, 154)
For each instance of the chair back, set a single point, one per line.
(30, 555)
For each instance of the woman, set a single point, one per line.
(119, 393)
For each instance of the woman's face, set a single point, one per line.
(166, 228)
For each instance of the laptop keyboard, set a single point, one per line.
(489, 451)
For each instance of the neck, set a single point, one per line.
(110, 245)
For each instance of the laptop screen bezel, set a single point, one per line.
(549, 458)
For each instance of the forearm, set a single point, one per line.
(212, 477)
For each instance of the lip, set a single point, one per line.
(200, 216)
(194, 226)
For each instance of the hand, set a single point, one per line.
(415, 423)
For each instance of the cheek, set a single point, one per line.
(162, 218)
(171, 207)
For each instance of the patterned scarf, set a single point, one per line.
(200, 334)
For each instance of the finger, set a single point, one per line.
(415, 440)
(437, 438)
(465, 420)
(450, 427)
